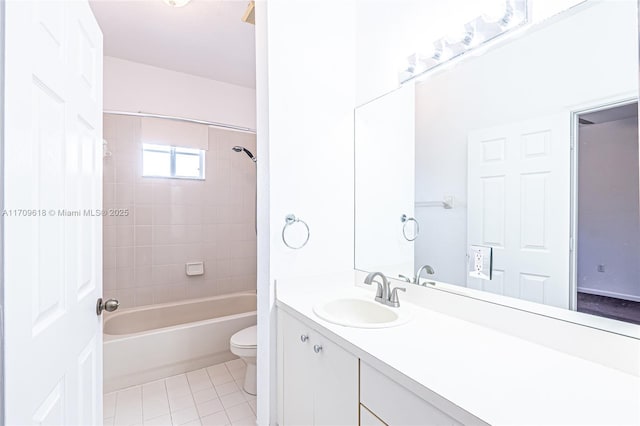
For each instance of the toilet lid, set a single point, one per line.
(246, 338)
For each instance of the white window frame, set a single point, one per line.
(173, 152)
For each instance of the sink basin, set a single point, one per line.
(360, 313)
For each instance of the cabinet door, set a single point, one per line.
(396, 405)
(367, 418)
(335, 385)
(298, 373)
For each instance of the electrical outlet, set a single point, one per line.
(480, 262)
(600, 268)
(448, 201)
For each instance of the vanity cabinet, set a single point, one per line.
(367, 418)
(319, 379)
(386, 402)
(321, 383)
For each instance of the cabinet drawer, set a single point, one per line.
(396, 405)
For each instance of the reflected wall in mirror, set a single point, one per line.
(385, 183)
(530, 149)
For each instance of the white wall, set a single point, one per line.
(2, 64)
(311, 100)
(306, 59)
(266, 371)
(385, 179)
(608, 211)
(306, 125)
(134, 87)
(550, 71)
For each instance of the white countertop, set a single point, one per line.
(498, 378)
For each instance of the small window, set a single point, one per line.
(172, 162)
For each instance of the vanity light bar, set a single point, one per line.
(477, 32)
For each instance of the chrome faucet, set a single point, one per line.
(384, 294)
(428, 269)
(416, 279)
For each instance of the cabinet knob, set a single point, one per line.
(317, 348)
(304, 338)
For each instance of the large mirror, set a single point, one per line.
(514, 172)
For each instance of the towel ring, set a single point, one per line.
(289, 220)
(406, 219)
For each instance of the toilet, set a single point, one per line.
(245, 345)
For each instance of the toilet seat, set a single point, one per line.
(246, 339)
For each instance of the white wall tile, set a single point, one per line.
(143, 296)
(125, 170)
(126, 297)
(109, 236)
(108, 192)
(125, 278)
(142, 256)
(109, 257)
(124, 236)
(124, 193)
(143, 235)
(143, 276)
(143, 193)
(163, 274)
(124, 257)
(143, 215)
(176, 221)
(109, 279)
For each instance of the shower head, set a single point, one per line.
(246, 151)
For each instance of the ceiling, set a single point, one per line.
(611, 114)
(204, 38)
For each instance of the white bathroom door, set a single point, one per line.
(519, 204)
(52, 246)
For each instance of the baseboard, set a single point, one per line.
(598, 292)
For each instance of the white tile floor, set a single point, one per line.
(209, 397)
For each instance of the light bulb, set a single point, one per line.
(495, 10)
(176, 3)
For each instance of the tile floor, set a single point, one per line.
(209, 397)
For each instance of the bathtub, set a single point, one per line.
(153, 342)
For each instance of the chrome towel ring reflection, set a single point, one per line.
(289, 220)
(406, 219)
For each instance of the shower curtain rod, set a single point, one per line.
(188, 120)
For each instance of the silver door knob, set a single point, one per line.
(108, 305)
(317, 348)
(304, 338)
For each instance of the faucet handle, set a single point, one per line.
(404, 277)
(393, 299)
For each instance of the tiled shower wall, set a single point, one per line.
(174, 221)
